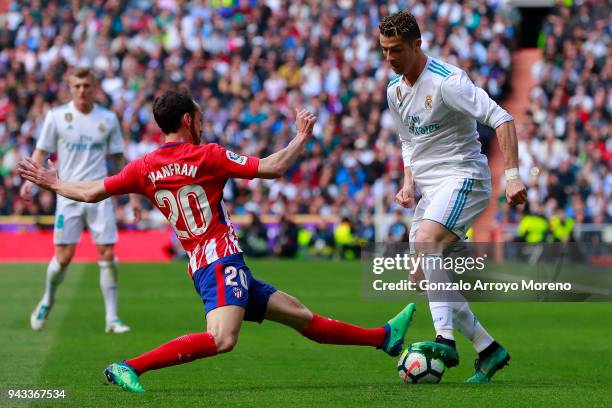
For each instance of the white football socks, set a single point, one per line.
(470, 327)
(441, 310)
(55, 275)
(448, 309)
(108, 285)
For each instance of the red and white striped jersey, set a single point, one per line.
(185, 182)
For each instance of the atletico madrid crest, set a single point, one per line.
(238, 293)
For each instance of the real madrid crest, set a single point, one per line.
(428, 102)
(398, 93)
(101, 127)
(68, 117)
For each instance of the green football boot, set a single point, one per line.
(435, 349)
(396, 329)
(124, 376)
(486, 368)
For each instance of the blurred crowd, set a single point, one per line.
(248, 63)
(565, 150)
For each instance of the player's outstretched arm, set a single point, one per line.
(120, 162)
(87, 191)
(516, 193)
(275, 165)
(38, 156)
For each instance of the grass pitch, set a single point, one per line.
(560, 351)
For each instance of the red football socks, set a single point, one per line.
(178, 351)
(199, 345)
(329, 331)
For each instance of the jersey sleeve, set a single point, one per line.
(407, 144)
(460, 94)
(115, 142)
(47, 140)
(127, 181)
(227, 164)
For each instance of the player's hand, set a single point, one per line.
(37, 174)
(26, 190)
(516, 193)
(405, 197)
(304, 123)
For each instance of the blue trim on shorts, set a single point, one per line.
(459, 203)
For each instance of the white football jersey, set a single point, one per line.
(81, 141)
(436, 121)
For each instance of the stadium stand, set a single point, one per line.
(565, 149)
(249, 62)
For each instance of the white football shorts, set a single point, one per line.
(72, 216)
(454, 203)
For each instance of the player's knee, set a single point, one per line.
(424, 236)
(225, 343)
(301, 316)
(301, 312)
(294, 302)
(64, 254)
(64, 257)
(106, 254)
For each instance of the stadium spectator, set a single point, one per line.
(562, 227)
(323, 241)
(533, 227)
(254, 237)
(286, 244)
(367, 231)
(345, 241)
(398, 231)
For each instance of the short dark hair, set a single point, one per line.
(169, 108)
(401, 24)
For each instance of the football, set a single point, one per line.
(416, 368)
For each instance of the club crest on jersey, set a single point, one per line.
(398, 93)
(428, 103)
(237, 293)
(236, 158)
(102, 128)
(68, 117)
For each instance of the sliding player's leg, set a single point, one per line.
(223, 286)
(223, 327)
(289, 311)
